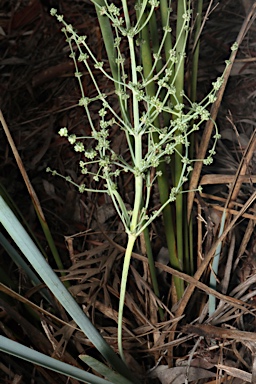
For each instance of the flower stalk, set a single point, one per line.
(157, 130)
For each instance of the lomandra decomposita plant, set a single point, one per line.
(158, 129)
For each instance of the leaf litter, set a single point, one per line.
(39, 95)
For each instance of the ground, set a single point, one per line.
(38, 96)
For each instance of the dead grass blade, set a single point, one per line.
(227, 179)
(247, 236)
(235, 372)
(179, 375)
(194, 280)
(212, 332)
(39, 310)
(242, 169)
(32, 194)
(23, 172)
(184, 300)
(214, 112)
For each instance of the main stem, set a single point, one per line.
(127, 258)
(179, 85)
(134, 226)
(132, 236)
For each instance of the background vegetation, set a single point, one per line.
(39, 96)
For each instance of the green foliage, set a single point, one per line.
(98, 146)
(162, 116)
(28, 354)
(158, 121)
(36, 259)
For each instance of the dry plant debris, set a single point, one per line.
(38, 96)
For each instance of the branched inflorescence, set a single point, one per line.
(183, 119)
(154, 113)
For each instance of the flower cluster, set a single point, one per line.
(145, 152)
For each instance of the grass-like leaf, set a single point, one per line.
(36, 259)
(38, 358)
(18, 260)
(101, 368)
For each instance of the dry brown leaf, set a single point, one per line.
(178, 375)
(212, 332)
(235, 372)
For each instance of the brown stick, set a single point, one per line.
(23, 172)
(214, 112)
(212, 332)
(188, 292)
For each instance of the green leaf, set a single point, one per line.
(105, 371)
(36, 259)
(22, 264)
(38, 358)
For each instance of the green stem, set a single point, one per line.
(196, 51)
(152, 268)
(132, 234)
(108, 38)
(193, 94)
(127, 258)
(179, 85)
(165, 14)
(163, 183)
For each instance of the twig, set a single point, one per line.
(183, 302)
(214, 111)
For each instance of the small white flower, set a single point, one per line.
(72, 139)
(79, 147)
(63, 132)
